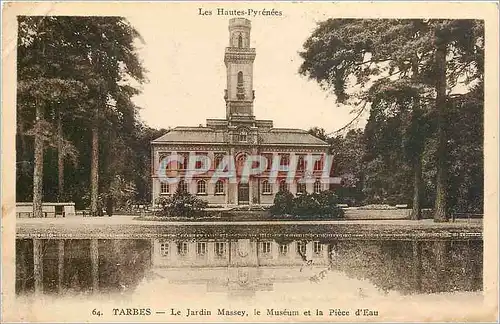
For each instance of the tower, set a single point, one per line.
(239, 57)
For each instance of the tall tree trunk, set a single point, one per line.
(417, 189)
(60, 158)
(94, 165)
(418, 138)
(440, 212)
(38, 169)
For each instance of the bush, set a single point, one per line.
(283, 203)
(181, 204)
(323, 204)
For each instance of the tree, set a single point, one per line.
(74, 70)
(41, 87)
(426, 58)
(108, 44)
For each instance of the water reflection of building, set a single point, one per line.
(245, 266)
(241, 253)
(240, 267)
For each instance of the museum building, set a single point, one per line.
(239, 135)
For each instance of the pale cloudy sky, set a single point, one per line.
(184, 54)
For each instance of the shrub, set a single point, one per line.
(323, 204)
(283, 203)
(328, 204)
(181, 204)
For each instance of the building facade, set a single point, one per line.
(239, 135)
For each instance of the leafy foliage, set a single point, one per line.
(309, 205)
(181, 204)
(68, 67)
(406, 70)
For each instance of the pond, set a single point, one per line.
(88, 270)
(245, 266)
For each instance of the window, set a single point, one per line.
(183, 161)
(266, 187)
(240, 89)
(240, 41)
(243, 136)
(301, 163)
(265, 247)
(218, 160)
(164, 188)
(240, 161)
(285, 160)
(301, 248)
(164, 249)
(317, 186)
(201, 187)
(201, 248)
(283, 249)
(317, 247)
(220, 249)
(182, 186)
(318, 165)
(283, 185)
(301, 188)
(269, 158)
(164, 159)
(219, 187)
(182, 248)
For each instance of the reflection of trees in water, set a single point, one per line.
(25, 280)
(404, 266)
(412, 266)
(121, 265)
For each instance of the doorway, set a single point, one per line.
(243, 194)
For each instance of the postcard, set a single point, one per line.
(249, 162)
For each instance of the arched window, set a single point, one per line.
(219, 187)
(240, 41)
(182, 186)
(301, 188)
(266, 187)
(317, 186)
(283, 185)
(240, 89)
(201, 187)
(240, 78)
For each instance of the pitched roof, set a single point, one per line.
(276, 136)
(289, 136)
(192, 135)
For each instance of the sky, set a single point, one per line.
(183, 52)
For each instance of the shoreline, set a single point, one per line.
(128, 227)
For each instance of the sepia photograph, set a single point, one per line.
(250, 162)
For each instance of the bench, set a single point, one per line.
(25, 209)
